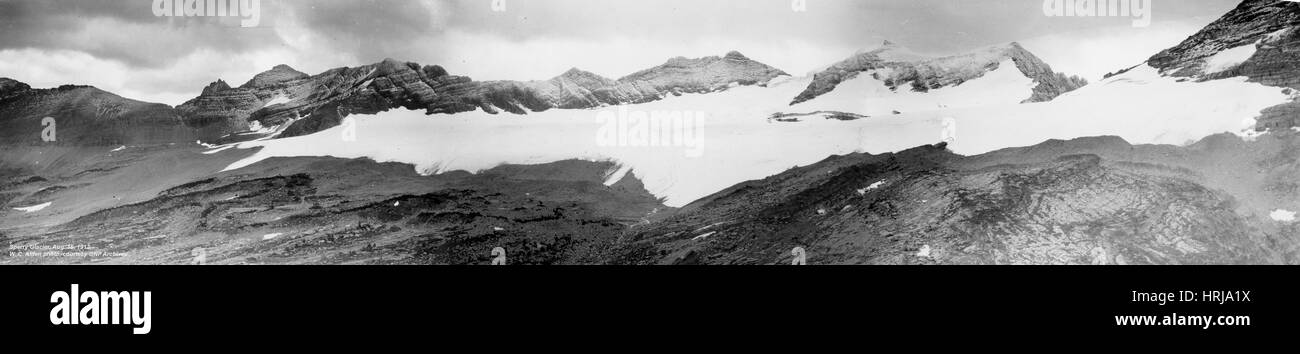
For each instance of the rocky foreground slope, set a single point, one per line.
(1085, 201)
(899, 68)
(325, 211)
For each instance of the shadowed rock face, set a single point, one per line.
(85, 115)
(899, 67)
(1084, 201)
(313, 102)
(1270, 27)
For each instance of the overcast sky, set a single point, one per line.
(120, 46)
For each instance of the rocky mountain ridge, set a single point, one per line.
(1257, 39)
(84, 115)
(900, 68)
(284, 95)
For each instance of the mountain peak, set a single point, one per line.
(1011, 47)
(890, 51)
(278, 74)
(8, 86)
(582, 77)
(885, 45)
(574, 71)
(390, 66)
(215, 87)
(705, 74)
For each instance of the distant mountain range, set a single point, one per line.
(1260, 32)
(301, 104)
(283, 95)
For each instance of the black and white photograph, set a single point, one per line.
(172, 134)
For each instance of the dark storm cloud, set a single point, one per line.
(931, 25)
(123, 30)
(371, 29)
(127, 30)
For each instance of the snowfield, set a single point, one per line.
(34, 208)
(737, 142)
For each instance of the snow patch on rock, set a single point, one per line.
(710, 233)
(873, 186)
(1229, 58)
(278, 99)
(1282, 215)
(34, 208)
